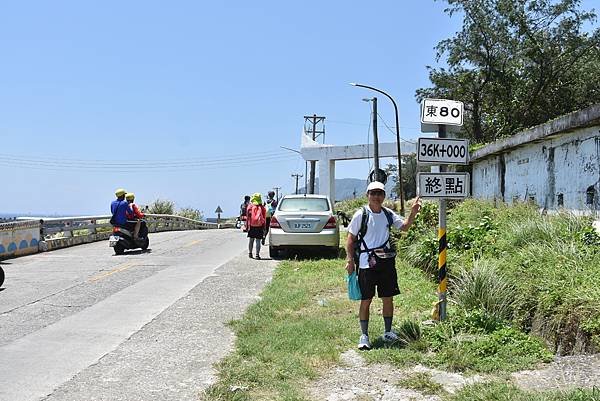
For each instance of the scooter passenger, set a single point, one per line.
(137, 215)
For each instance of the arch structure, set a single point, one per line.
(327, 155)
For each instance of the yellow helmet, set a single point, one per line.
(130, 195)
(120, 192)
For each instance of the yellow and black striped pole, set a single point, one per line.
(442, 273)
(442, 248)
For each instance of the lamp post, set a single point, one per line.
(397, 141)
(305, 167)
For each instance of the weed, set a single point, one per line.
(421, 382)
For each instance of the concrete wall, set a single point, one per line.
(567, 163)
(19, 238)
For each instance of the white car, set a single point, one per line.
(304, 222)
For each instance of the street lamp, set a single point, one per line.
(397, 141)
(305, 167)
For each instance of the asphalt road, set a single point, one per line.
(83, 324)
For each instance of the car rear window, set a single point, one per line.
(304, 205)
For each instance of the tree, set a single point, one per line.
(410, 168)
(517, 63)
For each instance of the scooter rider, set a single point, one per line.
(135, 214)
(119, 209)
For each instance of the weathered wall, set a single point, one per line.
(567, 164)
(19, 238)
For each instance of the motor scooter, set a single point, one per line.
(122, 238)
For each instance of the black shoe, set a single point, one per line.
(257, 257)
(250, 255)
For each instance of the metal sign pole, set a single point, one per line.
(442, 246)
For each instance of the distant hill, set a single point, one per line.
(348, 188)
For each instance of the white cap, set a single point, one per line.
(376, 185)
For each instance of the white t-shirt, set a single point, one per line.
(377, 230)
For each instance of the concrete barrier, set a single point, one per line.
(19, 238)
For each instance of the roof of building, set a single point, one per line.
(587, 117)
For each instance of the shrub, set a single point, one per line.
(483, 288)
(190, 213)
(161, 207)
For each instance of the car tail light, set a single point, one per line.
(116, 229)
(274, 223)
(332, 223)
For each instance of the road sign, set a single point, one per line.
(436, 112)
(218, 210)
(443, 151)
(443, 185)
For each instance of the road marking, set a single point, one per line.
(193, 243)
(120, 269)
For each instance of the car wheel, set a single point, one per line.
(119, 249)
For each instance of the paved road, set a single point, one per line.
(83, 324)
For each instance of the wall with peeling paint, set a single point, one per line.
(564, 165)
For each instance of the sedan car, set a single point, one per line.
(304, 222)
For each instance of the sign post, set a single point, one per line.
(437, 115)
(218, 212)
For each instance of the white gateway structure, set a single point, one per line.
(327, 155)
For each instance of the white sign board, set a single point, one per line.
(443, 151)
(443, 185)
(436, 112)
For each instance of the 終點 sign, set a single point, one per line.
(443, 185)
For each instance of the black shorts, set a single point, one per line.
(383, 277)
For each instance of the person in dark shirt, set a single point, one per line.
(119, 209)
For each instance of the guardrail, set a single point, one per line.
(38, 234)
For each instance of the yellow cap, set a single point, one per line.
(120, 192)
(130, 195)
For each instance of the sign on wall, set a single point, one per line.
(443, 185)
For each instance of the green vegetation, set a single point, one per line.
(161, 207)
(509, 266)
(421, 382)
(190, 213)
(509, 263)
(498, 391)
(516, 64)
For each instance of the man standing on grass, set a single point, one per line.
(368, 246)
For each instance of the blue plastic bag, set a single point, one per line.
(353, 287)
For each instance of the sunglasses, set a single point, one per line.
(377, 192)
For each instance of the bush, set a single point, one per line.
(190, 213)
(161, 207)
(483, 288)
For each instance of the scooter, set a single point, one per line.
(122, 239)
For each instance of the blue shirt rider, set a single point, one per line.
(120, 207)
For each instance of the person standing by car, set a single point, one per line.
(270, 206)
(368, 248)
(256, 218)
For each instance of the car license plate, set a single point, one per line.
(303, 226)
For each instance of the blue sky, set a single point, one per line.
(190, 101)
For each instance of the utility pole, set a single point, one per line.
(297, 176)
(375, 140)
(314, 120)
(277, 192)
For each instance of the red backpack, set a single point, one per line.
(257, 216)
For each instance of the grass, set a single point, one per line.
(500, 391)
(304, 320)
(421, 382)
